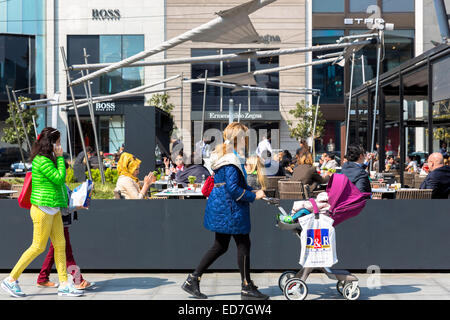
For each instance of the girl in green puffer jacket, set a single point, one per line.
(48, 195)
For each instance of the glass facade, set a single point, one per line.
(103, 49)
(326, 77)
(328, 6)
(361, 5)
(398, 5)
(25, 17)
(217, 99)
(399, 48)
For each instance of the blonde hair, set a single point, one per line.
(230, 137)
(305, 158)
(255, 163)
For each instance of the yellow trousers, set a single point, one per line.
(44, 226)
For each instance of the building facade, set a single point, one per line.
(282, 25)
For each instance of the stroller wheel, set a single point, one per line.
(340, 287)
(350, 292)
(285, 276)
(295, 289)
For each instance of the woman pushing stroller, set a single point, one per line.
(228, 212)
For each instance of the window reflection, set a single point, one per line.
(326, 77)
(217, 96)
(361, 5)
(328, 5)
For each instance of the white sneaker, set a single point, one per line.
(12, 288)
(69, 291)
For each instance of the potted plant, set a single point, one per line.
(191, 180)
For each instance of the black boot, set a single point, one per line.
(250, 292)
(192, 286)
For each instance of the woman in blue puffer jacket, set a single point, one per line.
(228, 212)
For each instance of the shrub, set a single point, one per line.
(111, 175)
(96, 176)
(70, 177)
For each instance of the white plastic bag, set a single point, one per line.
(81, 195)
(318, 242)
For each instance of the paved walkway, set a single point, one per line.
(226, 286)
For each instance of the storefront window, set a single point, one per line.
(441, 123)
(399, 47)
(361, 5)
(241, 96)
(107, 49)
(219, 98)
(326, 77)
(319, 6)
(264, 100)
(112, 133)
(198, 71)
(398, 5)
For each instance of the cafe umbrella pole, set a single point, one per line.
(15, 128)
(80, 129)
(88, 89)
(35, 127)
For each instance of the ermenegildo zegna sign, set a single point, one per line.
(105, 14)
(245, 115)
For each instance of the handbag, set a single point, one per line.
(25, 194)
(208, 186)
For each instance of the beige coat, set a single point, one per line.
(128, 188)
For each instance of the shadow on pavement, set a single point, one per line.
(123, 284)
(328, 291)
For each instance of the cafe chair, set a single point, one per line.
(289, 189)
(408, 179)
(118, 195)
(413, 194)
(418, 179)
(377, 195)
(272, 186)
(377, 185)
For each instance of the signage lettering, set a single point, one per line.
(270, 38)
(105, 106)
(105, 14)
(226, 116)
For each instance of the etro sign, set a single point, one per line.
(105, 14)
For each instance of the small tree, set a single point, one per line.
(305, 124)
(9, 133)
(161, 100)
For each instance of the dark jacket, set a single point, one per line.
(228, 206)
(357, 175)
(307, 174)
(196, 170)
(439, 181)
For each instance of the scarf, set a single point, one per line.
(127, 165)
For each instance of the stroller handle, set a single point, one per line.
(274, 201)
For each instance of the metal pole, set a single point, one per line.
(15, 128)
(239, 114)
(181, 102)
(314, 128)
(21, 120)
(363, 70)
(230, 111)
(441, 14)
(80, 130)
(347, 129)
(68, 135)
(35, 127)
(88, 90)
(204, 103)
(376, 93)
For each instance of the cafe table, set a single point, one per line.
(180, 193)
(7, 193)
(385, 192)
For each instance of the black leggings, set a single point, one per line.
(220, 246)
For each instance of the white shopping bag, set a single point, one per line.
(318, 242)
(81, 195)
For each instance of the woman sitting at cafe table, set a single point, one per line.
(128, 181)
(306, 172)
(196, 169)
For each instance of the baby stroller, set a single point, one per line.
(345, 201)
